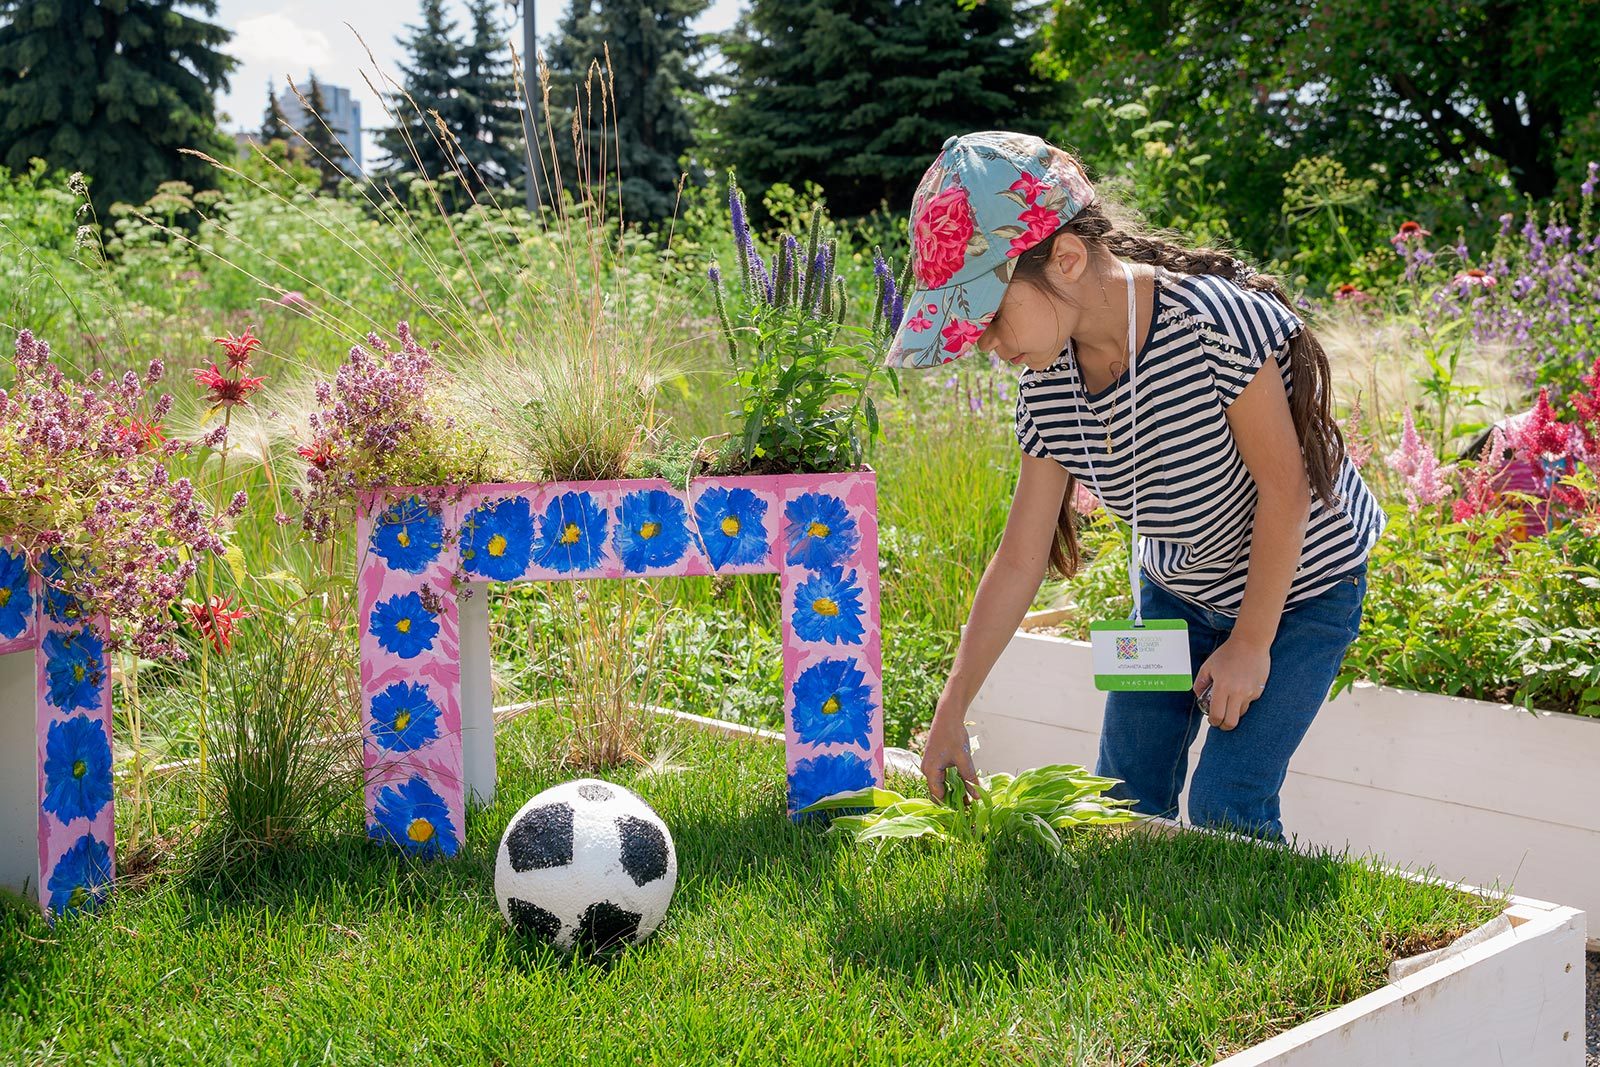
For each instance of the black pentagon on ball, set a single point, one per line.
(596, 793)
(532, 920)
(541, 838)
(644, 849)
(604, 925)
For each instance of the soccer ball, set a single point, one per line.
(586, 863)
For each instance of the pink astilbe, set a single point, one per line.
(1414, 461)
(1479, 495)
(1357, 445)
(86, 482)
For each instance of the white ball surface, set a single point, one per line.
(586, 862)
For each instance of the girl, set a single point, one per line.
(1141, 357)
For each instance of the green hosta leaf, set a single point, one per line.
(869, 797)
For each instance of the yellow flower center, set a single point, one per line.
(403, 537)
(831, 705)
(77, 672)
(817, 529)
(404, 626)
(401, 721)
(79, 768)
(570, 534)
(497, 545)
(5, 595)
(79, 897)
(649, 530)
(824, 606)
(419, 830)
(730, 526)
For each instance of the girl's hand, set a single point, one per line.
(1236, 674)
(948, 746)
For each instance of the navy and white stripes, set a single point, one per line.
(1197, 500)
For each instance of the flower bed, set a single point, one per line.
(424, 659)
(1479, 791)
(1163, 949)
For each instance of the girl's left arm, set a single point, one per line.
(1263, 430)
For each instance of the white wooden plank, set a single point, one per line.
(19, 781)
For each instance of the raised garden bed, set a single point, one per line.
(1486, 793)
(788, 945)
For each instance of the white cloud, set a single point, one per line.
(280, 42)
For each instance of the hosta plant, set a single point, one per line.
(1036, 805)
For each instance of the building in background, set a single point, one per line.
(342, 113)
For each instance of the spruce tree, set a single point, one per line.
(273, 125)
(114, 90)
(326, 153)
(428, 77)
(859, 95)
(654, 56)
(487, 116)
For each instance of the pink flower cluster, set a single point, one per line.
(374, 417)
(1413, 460)
(87, 483)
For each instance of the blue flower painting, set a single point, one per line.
(822, 776)
(827, 607)
(408, 535)
(733, 526)
(415, 818)
(833, 704)
(497, 539)
(404, 626)
(80, 877)
(60, 605)
(572, 534)
(74, 668)
(404, 717)
(16, 602)
(651, 530)
(77, 769)
(819, 531)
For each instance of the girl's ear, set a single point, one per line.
(1069, 257)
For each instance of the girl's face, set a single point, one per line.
(1030, 329)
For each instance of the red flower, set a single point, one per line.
(1351, 293)
(227, 392)
(941, 233)
(1543, 434)
(239, 348)
(217, 623)
(144, 435)
(1474, 277)
(1588, 408)
(1041, 221)
(1028, 186)
(1408, 231)
(960, 335)
(319, 454)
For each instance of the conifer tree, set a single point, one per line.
(487, 115)
(114, 90)
(654, 60)
(326, 153)
(428, 77)
(273, 125)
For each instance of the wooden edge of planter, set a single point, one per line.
(1414, 981)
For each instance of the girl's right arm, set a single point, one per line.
(1009, 584)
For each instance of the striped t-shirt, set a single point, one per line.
(1197, 500)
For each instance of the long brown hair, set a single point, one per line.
(1311, 399)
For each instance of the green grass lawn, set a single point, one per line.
(782, 945)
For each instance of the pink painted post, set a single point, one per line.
(817, 532)
(55, 661)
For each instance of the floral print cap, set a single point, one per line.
(989, 197)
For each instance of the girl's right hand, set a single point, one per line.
(948, 746)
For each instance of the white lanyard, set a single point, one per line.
(1133, 446)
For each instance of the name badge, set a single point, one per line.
(1152, 656)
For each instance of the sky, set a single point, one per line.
(274, 38)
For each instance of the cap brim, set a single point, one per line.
(939, 325)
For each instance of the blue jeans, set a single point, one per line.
(1146, 737)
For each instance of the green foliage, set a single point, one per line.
(631, 68)
(114, 90)
(1331, 222)
(284, 739)
(812, 90)
(1034, 806)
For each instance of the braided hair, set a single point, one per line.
(1311, 399)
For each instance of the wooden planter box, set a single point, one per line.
(1481, 792)
(427, 555)
(1510, 992)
